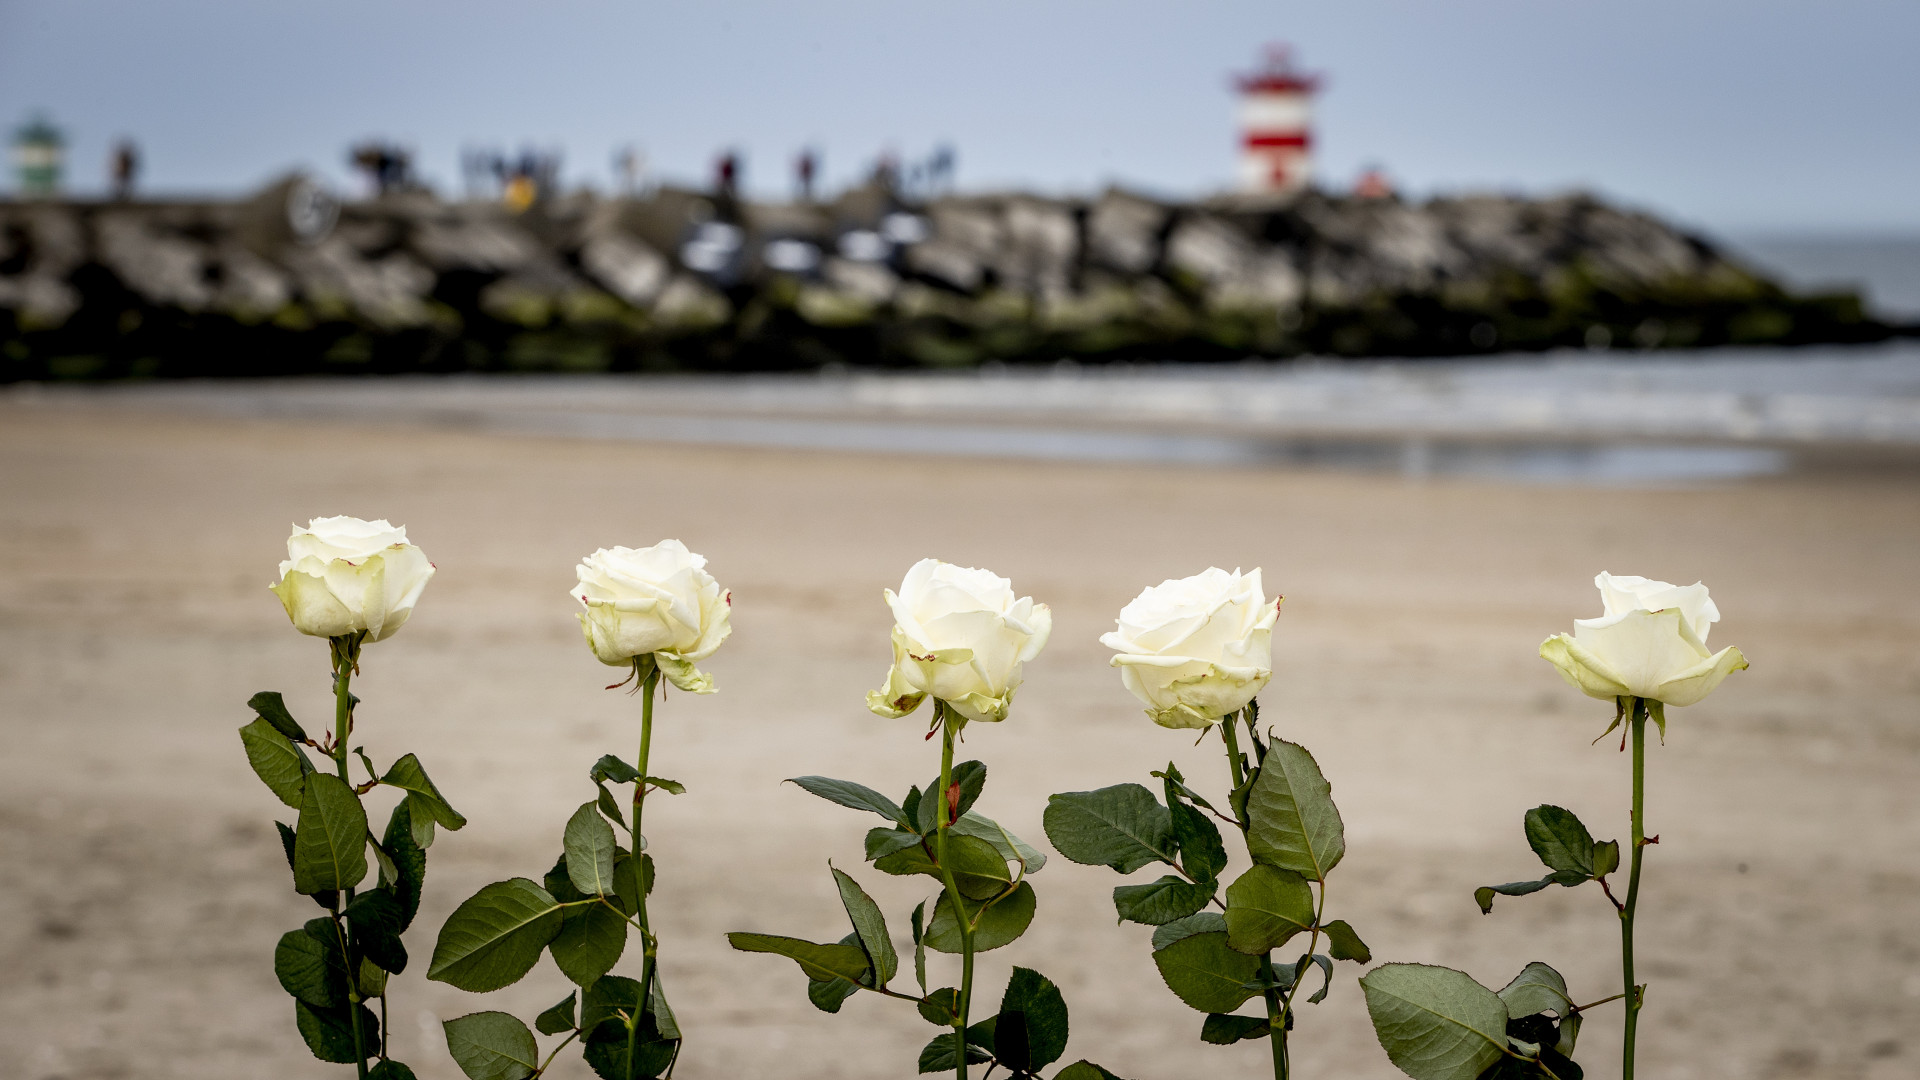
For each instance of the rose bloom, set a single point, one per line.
(1650, 642)
(657, 601)
(960, 636)
(1196, 649)
(344, 576)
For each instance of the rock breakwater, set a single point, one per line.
(289, 282)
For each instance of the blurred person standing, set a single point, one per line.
(940, 169)
(123, 169)
(804, 168)
(629, 171)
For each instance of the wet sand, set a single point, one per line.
(142, 886)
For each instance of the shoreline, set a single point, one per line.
(1563, 418)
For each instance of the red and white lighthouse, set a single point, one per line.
(1276, 136)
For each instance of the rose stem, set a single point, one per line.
(1276, 1024)
(949, 727)
(346, 650)
(1639, 722)
(647, 940)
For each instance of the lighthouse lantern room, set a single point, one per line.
(1276, 113)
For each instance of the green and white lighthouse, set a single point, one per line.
(39, 151)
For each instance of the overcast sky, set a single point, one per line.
(1733, 115)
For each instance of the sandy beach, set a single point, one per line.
(142, 887)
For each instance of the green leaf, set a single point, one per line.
(633, 878)
(1281, 976)
(1161, 901)
(1010, 847)
(1202, 854)
(857, 796)
(1435, 1023)
(1265, 907)
(1206, 922)
(1606, 857)
(1225, 1029)
(286, 841)
(1537, 989)
(557, 1019)
(589, 844)
(941, 1008)
(671, 787)
(383, 862)
(329, 1032)
(495, 937)
(1237, 798)
(269, 706)
(1326, 969)
(604, 1003)
(978, 868)
(1030, 1031)
(1569, 1035)
(1084, 1070)
(1177, 785)
(871, 927)
(609, 807)
(282, 766)
(409, 863)
(612, 768)
(847, 962)
(1292, 822)
(650, 1051)
(372, 980)
(419, 820)
(999, 924)
(374, 920)
(589, 943)
(828, 995)
(1344, 944)
(1123, 827)
(326, 898)
(969, 776)
(882, 842)
(1205, 973)
(390, 1070)
(366, 761)
(559, 884)
(1560, 840)
(661, 1012)
(920, 945)
(310, 965)
(492, 1046)
(647, 1035)
(330, 841)
(941, 1055)
(1484, 894)
(407, 775)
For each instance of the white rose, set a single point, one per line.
(960, 636)
(1196, 649)
(1651, 642)
(657, 601)
(344, 575)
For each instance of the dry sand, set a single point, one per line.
(142, 887)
